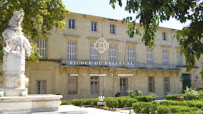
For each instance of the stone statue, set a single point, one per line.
(14, 98)
(15, 41)
(15, 82)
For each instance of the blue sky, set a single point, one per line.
(103, 9)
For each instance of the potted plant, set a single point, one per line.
(117, 94)
(180, 98)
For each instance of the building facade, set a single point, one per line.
(73, 67)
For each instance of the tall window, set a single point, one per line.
(112, 29)
(164, 36)
(72, 84)
(166, 84)
(42, 45)
(179, 59)
(165, 57)
(94, 84)
(131, 55)
(71, 23)
(93, 53)
(123, 86)
(112, 54)
(151, 84)
(149, 57)
(71, 50)
(41, 86)
(94, 26)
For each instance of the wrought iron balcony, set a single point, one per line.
(136, 65)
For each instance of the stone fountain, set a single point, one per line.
(14, 96)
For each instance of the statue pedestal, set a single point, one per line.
(14, 80)
(13, 64)
(29, 104)
(14, 96)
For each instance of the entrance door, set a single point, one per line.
(123, 86)
(186, 81)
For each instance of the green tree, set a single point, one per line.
(151, 12)
(40, 16)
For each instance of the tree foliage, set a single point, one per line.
(151, 12)
(40, 16)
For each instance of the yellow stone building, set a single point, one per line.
(73, 67)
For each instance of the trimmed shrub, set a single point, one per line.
(122, 101)
(170, 102)
(65, 103)
(195, 104)
(175, 109)
(77, 102)
(145, 98)
(126, 102)
(171, 97)
(81, 102)
(188, 103)
(112, 103)
(145, 107)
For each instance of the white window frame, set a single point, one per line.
(131, 55)
(93, 53)
(165, 58)
(179, 58)
(149, 58)
(41, 86)
(112, 54)
(123, 86)
(42, 45)
(164, 37)
(71, 23)
(71, 50)
(112, 29)
(151, 84)
(166, 84)
(94, 84)
(70, 79)
(94, 26)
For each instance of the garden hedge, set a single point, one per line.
(186, 97)
(65, 103)
(196, 104)
(145, 107)
(110, 102)
(170, 102)
(145, 98)
(175, 109)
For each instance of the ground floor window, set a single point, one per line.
(151, 84)
(166, 84)
(123, 86)
(41, 86)
(72, 84)
(94, 84)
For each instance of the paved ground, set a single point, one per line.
(70, 109)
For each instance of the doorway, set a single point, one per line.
(186, 81)
(123, 86)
